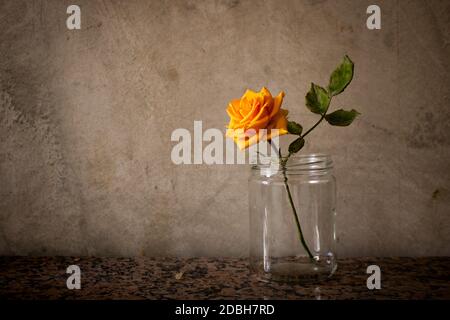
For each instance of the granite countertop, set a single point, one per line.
(214, 278)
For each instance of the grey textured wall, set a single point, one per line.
(86, 118)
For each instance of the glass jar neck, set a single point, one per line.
(308, 164)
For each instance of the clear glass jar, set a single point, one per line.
(286, 243)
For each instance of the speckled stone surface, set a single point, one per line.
(214, 278)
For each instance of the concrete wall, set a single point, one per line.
(86, 118)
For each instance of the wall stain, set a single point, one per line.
(170, 75)
(268, 70)
(230, 4)
(430, 130)
(435, 194)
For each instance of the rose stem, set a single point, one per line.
(294, 211)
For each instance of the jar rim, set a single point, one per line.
(298, 163)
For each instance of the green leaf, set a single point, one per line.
(341, 77)
(294, 128)
(341, 117)
(295, 146)
(317, 99)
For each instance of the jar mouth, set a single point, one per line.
(307, 163)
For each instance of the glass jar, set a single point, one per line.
(292, 218)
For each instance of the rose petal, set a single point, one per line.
(277, 101)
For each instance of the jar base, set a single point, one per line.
(298, 270)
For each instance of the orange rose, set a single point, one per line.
(255, 111)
